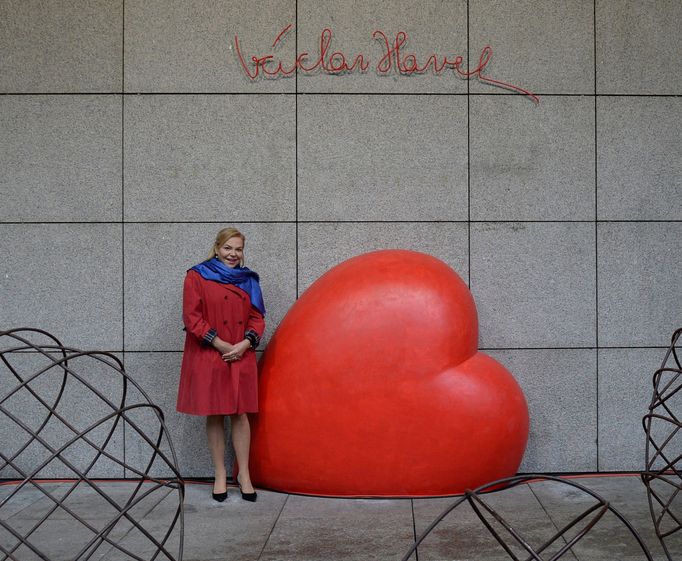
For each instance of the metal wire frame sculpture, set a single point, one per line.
(59, 368)
(662, 424)
(489, 517)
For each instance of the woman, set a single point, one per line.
(223, 313)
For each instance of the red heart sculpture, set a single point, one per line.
(372, 385)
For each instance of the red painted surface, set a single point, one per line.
(373, 385)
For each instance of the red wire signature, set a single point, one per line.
(394, 60)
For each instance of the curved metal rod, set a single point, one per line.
(659, 449)
(62, 363)
(16, 375)
(124, 513)
(98, 355)
(660, 397)
(506, 483)
(535, 553)
(472, 499)
(35, 436)
(59, 502)
(673, 344)
(119, 414)
(661, 416)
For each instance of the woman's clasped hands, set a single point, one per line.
(231, 352)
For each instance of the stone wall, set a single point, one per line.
(131, 134)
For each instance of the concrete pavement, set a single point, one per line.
(282, 527)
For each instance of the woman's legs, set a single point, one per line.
(215, 431)
(241, 439)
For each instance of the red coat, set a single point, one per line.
(208, 384)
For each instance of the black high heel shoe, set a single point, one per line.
(220, 497)
(251, 497)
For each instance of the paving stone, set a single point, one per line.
(234, 530)
(13, 501)
(463, 536)
(609, 539)
(315, 528)
(288, 527)
(57, 533)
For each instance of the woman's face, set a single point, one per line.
(231, 252)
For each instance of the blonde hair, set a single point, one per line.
(222, 236)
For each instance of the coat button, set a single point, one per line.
(240, 322)
(225, 297)
(224, 322)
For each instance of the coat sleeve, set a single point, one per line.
(255, 327)
(192, 316)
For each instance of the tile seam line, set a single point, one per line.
(322, 93)
(468, 16)
(596, 231)
(272, 529)
(296, 186)
(414, 530)
(170, 222)
(123, 228)
(549, 517)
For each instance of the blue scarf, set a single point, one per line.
(242, 277)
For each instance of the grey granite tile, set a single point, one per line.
(638, 47)
(306, 527)
(215, 158)
(323, 246)
(84, 401)
(16, 498)
(155, 528)
(234, 530)
(609, 538)
(315, 528)
(625, 390)
(154, 302)
(639, 164)
(431, 27)
(158, 375)
(68, 46)
(639, 292)
(63, 278)
(112, 508)
(462, 536)
(98, 503)
(532, 162)
(173, 47)
(61, 158)
(561, 390)
(544, 46)
(534, 283)
(57, 540)
(388, 158)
